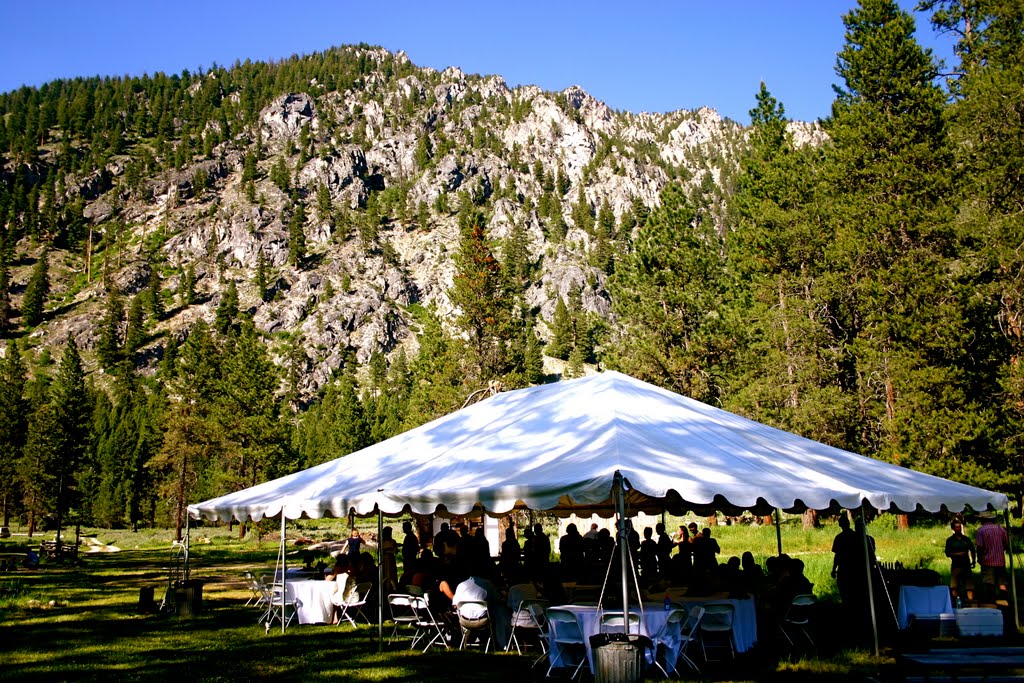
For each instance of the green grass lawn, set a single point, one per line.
(82, 622)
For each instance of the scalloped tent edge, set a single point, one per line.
(556, 447)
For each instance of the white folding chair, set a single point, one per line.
(674, 639)
(717, 624)
(615, 622)
(253, 584)
(402, 612)
(352, 606)
(568, 644)
(279, 606)
(797, 620)
(529, 616)
(428, 627)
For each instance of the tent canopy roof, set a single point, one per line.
(558, 446)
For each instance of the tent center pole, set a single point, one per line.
(778, 530)
(380, 581)
(1013, 578)
(867, 569)
(284, 573)
(620, 510)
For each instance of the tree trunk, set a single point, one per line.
(902, 522)
(712, 520)
(810, 519)
(768, 520)
(241, 530)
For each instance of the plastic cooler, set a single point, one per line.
(979, 621)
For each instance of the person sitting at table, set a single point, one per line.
(342, 567)
(478, 588)
(705, 550)
(729, 577)
(445, 541)
(751, 575)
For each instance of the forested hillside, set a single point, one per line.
(211, 279)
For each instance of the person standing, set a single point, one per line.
(960, 551)
(992, 542)
(843, 557)
(410, 548)
(388, 553)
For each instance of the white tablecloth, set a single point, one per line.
(313, 600)
(921, 601)
(744, 622)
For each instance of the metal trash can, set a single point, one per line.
(616, 659)
(188, 598)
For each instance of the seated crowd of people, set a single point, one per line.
(458, 566)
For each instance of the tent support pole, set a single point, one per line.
(778, 530)
(867, 569)
(620, 510)
(284, 573)
(380, 581)
(1013, 577)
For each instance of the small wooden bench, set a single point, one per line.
(988, 664)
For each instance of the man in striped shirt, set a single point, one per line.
(992, 542)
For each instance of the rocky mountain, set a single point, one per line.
(369, 173)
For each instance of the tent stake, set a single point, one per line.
(778, 530)
(867, 567)
(1013, 578)
(380, 581)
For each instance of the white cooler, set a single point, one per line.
(979, 621)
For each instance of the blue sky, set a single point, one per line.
(638, 56)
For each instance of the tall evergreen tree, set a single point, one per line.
(70, 405)
(479, 291)
(898, 297)
(14, 410)
(669, 294)
(111, 333)
(38, 288)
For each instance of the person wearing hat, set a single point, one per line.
(960, 551)
(992, 541)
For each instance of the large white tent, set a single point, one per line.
(558, 446)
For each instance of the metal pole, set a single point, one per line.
(380, 580)
(620, 509)
(867, 569)
(284, 573)
(778, 530)
(1013, 578)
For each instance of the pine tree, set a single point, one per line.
(898, 298)
(135, 333)
(262, 277)
(187, 286)
(227, 310)
(38, 288)
(669, 293)
(297, 235)
(6, 311)
(109, 344)
(479, 292)
(249, 414)
(154, 295)
(70, 405)
(14, 410)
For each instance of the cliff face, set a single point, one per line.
(380, 170)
